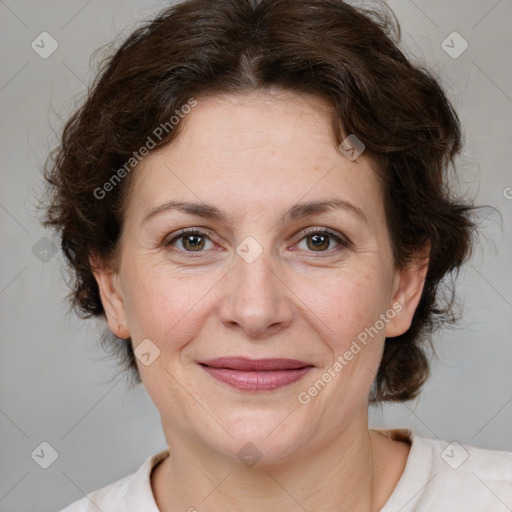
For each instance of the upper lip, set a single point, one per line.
(246, 364)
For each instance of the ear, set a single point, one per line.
(111, 298)
(407, 290)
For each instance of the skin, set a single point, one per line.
(254, 156)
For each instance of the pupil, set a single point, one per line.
(318, 242)
(192, 240)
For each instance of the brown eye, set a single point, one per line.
(193, 242)
(317, 242)
(189, 241)
(321, 240)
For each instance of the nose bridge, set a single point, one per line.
(253, 266)
(256, 298)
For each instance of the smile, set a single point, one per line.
(256, 374)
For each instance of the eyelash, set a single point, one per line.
(342, 241)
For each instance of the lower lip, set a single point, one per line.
(256, 380)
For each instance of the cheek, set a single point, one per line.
(165, 307)
(344, 305)
(351, 306)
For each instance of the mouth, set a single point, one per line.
(256, 374)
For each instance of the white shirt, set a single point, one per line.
(438, 477)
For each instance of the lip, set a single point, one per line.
(248, 365)
(256, 374)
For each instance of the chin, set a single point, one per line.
(269, 436)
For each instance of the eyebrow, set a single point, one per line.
(296, 212)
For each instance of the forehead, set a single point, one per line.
(269, 149)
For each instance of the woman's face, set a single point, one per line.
(254, 280)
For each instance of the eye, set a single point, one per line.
(196, 240)
(320, 240)
(191, 240)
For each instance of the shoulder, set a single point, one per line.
(457, 462)
(106, 498)
(134, 489)
(457, 476)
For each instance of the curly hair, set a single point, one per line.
(326, 48)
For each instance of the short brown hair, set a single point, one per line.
(327, 48)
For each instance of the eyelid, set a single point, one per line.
(185, 231)
(317, 229)
(340, 239)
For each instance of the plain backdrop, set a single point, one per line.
(55, 385)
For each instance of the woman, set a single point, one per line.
(254, 197)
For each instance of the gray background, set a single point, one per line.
(55, 385)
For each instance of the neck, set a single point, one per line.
(356, 471)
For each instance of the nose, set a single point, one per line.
(256, 299)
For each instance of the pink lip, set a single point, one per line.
(256, 374)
